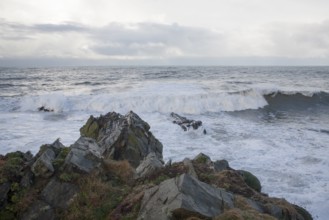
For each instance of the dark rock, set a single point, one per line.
(43, 165)
(45, 109)
(303, 212)
(59, 194)
(149, 165)
(169, 162)
(27, 180)
(122, 137)
(39, 210)
(183, 197)
(220, 165)
(185, 123)
(85, 155)
(251, 180)
(4, 190)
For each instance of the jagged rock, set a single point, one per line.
(149, 165)
(85, 155)
(43, 165)
(202, 158)
(57, 146)
(190, 169)
(185, 123)
(39, 210)
(122, 137)
(220, 165)
(59, 194)
(183, 197)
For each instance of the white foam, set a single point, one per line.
(156, 97)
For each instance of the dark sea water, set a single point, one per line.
(272, 121)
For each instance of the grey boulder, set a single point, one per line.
(183, 197)
(43, 165)
(149, 165)
(85, 155)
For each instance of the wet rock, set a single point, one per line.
(122, 137)
(149, 165)
(43, 167)
(59, 194)
(39, 210)
(183, 197)
(85, 155)
(45, 109)
(185, 123)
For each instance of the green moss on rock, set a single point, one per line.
(251, 180)
(90, 129)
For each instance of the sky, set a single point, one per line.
(164, 32)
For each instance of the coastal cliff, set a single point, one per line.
(115, 170)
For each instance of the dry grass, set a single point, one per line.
(121, 169)
(95, 200)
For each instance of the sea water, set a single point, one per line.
(271, 121)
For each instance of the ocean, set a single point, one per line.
(271, 121)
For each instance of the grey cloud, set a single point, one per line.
(299, 40)
(18, 31)
(66, 27)
(155, 39)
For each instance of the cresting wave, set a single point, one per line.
(183, 103)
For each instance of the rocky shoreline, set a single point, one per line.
(115, 170)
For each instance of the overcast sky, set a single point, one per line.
(164, 32)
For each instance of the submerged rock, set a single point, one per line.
(45, 109)
(185, 123)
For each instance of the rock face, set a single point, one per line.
(184, 197)
(59, 194)
(185, 123)
(122, 137)
(149, 165)
(85, 155)
(43, 166)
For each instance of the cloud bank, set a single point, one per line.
(159, 43)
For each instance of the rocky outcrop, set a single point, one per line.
(115, 171)
(183, 197)
(122, 137)
(185, 123)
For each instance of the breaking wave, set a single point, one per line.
(195, 103)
